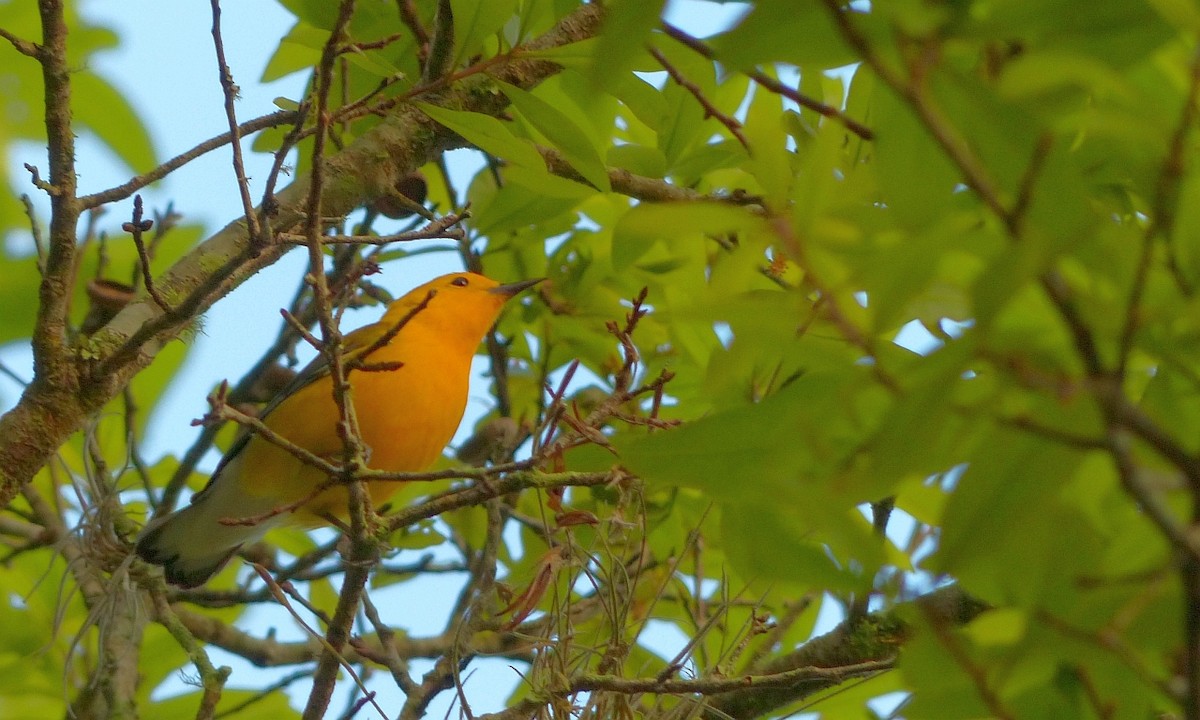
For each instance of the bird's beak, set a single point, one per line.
(512, 289)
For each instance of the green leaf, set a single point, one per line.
(104, 111)
(997, 558)
(539, 180)
(313, 12)
(922, 431)
(782, 30)
(754, 441)
(476, 20)
(767, 547)
(1116, 31)
(486, 133)
(638, 159)
(770, 163)
(999, 627)
(646, 224)
(19, 295)
(687, 127)
(299, 50)
(627, 26)
(1178, 12)
(560, 130)
(946, 689)
(577, 55)
(913, 171)
(527, 198)
(1171, 397)
(644, 100)
(374, 63)
(692, 167)
(417, 537)
(263, 707)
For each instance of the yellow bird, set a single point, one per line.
(408, 407)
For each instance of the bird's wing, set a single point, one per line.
(353, 344)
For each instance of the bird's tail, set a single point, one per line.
(194, 543)
(186, 548)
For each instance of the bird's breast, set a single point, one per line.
(407, 416)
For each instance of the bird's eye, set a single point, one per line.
(459, 281)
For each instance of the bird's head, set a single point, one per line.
(462, 306)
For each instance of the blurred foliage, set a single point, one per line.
(846, 319)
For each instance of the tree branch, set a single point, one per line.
(124, 190)
(53, 372)
(640, 186)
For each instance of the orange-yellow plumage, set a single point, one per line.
(406, 416)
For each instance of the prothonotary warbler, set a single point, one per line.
(409, 398)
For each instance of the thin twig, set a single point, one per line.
(120, 192)
(977, 674)
(442, 228)
(390, 659)
(230, 91)
(8, 372)
(302, 331)
(646, 188)
(731, 123)
(283, 343)
(135, 228)
(266, 692)
(1029, 178)
(133, 443)
(35, 179)
(278, 593)
(357, 47)
(1162, 217)
(212, 678)
(221, 410)
(411, 20)
(1155, 435)
(269, 203)
(776, 87)
(21, 45)
(1063, 437)
(720, 685)
(1155, 507)
(35, 231)
(477, 494)
(360, 356)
